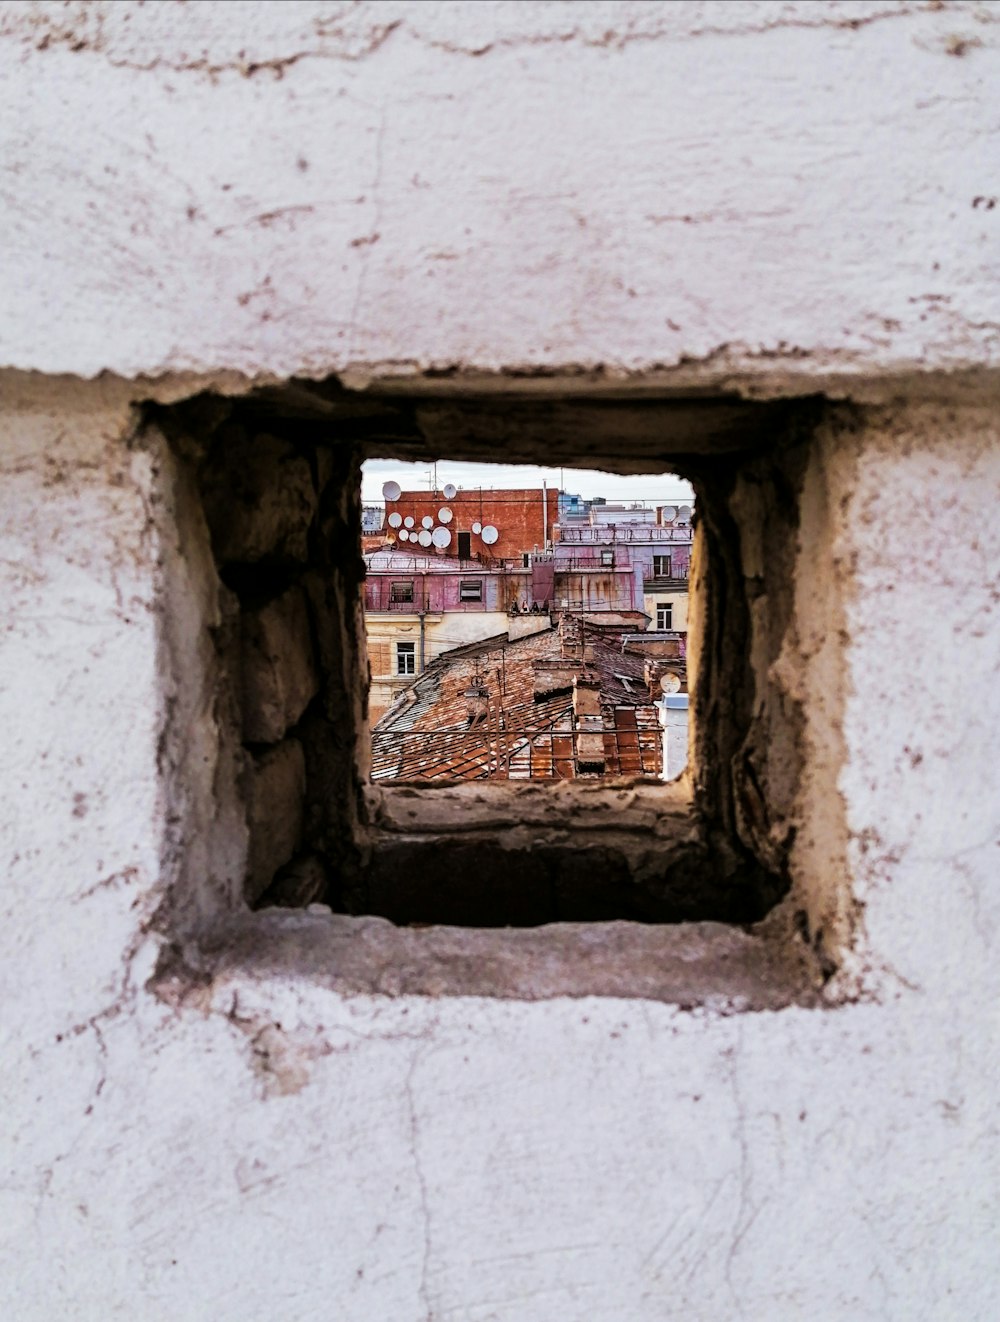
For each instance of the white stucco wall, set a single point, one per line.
(293, 188)
(786, 190)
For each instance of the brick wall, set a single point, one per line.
(516, 513)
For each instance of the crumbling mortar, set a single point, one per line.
(332, 539)
(746, 1213)
(366, 242)
(421, 1177)
(351, 48)
(646, 862)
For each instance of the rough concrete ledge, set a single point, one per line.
(694, 965)
(611, 805)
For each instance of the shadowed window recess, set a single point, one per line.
(377, 658)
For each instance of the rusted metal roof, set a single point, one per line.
(437, 733)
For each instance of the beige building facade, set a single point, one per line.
(667, 608)
(401, 646)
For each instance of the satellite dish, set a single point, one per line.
(490, 534)
(450, 491)
(391, 490)
(427, 521)
(670, 683)
(408, 521)
(477, 527)
(424, 537)
(395, 520)
(404, 536)
(445, 515)
(669, 513)
(441, 537)
(684, 514)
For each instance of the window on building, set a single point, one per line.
(607, 557)
(406, 658)
(664, 615)
(662, 567)
(470, 589)
(401, 592)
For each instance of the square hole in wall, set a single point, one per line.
(275, 477)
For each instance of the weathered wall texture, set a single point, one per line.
(792, 190)
(297, 187)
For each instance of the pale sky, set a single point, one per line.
(586, 482)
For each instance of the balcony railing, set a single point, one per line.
(665, 583)
(645, 532)
(573, 563)
(382, 602)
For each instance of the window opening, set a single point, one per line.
(662, 566)
(470, 589)
(277, 477)
(664, 615)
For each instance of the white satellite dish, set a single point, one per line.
(477, 527)
(684, 514)
(445, 515)
(450, 491)
(669, 513)
(441, 537)
(408, 521)
(670, 683)
(395, 520)
(424, 537)
(391, 490)
(404, 536)
(490, 534)
(427, 521)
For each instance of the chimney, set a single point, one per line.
(550, 677)
(651, 672)
(588, 723)
(477, 699)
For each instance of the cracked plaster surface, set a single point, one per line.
(204, 39)
(599, 190)
(276, 1146)
(285, 1149)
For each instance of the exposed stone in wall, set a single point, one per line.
(298, 884)
(259, 498)
(275, 813)
(278, 507)
(291, 557)
(278, 668)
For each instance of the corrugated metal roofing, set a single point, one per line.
(429, 735)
